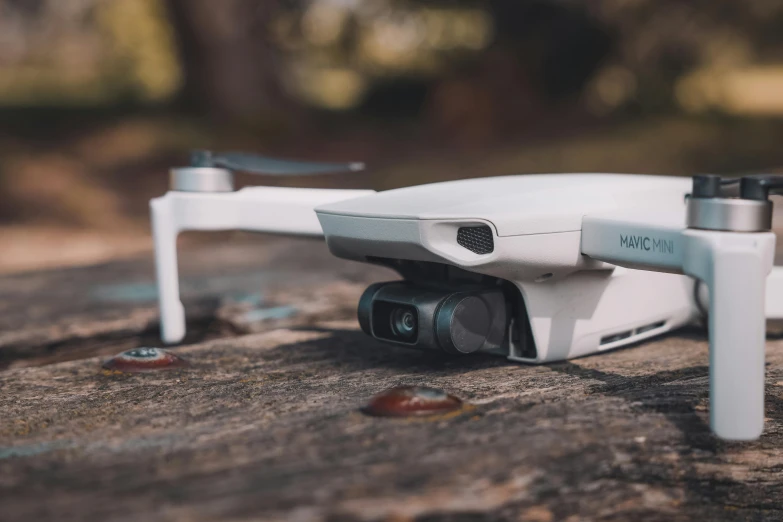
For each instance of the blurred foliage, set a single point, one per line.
(665, 50)
(99, 97)
(246, 59)
(85, 52)
(337, 49)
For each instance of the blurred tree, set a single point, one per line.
(231, 69)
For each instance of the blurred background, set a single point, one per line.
(98, 98)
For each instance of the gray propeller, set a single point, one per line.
(263, 165)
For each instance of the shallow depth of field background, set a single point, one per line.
(98, 98)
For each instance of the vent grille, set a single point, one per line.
(476, 239)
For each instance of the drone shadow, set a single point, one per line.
(671, 393)
(201, 327)
(677, 395)
(353, 350)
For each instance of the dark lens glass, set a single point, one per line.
(394, 321)
(403, 323)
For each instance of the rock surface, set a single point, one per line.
(265, 424)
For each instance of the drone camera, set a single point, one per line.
(457, 321)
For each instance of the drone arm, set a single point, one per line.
(164, 235)
(734, 266)
(287, 211)
(171, 214)
(636, 240)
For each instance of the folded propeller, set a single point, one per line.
(255, 164)
(756, 187)
(214, 172)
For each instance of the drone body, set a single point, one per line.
(569, 305)
(536, 268)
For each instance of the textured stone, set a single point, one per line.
(265, 423)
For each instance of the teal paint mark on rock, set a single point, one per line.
(126, 293)
(265, 314)
(34, 449)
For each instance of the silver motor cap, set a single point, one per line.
(729, 214)
(201, 179)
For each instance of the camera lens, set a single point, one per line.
(454, 321)
(403, 322)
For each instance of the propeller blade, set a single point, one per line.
(263, 165)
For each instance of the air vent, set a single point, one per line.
(476, 239)
(609, 339)
(650, 327)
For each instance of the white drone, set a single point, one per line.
(535, 268)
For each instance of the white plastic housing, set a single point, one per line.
(598, 310)
(576, 305)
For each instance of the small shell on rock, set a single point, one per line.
(145, 359)
(411, 401)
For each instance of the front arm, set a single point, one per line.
(275, 210)
(734, 266)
